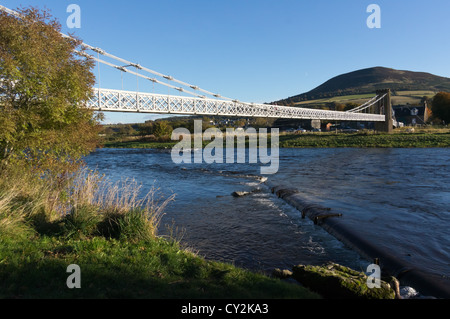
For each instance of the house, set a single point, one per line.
(411, 114)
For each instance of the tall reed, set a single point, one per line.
(120, 203)
(13, 222)
(83, 203)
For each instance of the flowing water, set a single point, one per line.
(399, 199)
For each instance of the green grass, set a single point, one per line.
(400, 139)
(419, 94)
(139, 144)
(111, 268)
(365, 140)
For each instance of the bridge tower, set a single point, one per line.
(384, 106)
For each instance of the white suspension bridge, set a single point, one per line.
(203, 102)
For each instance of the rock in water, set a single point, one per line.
(334, 281)
(240, 194)
(281, 274)
(263, 179)
(408, 292)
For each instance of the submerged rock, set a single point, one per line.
(334, 281)
(240, 194)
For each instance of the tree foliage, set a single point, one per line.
(441, 106)
(44, 85)
(162, 129)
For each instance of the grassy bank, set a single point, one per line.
(110, 268)
(399, 139)
(112, 236)
(367, 140)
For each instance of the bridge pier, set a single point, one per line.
(385, 107)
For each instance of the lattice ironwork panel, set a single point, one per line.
(124, 101)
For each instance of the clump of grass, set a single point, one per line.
(82, 222)
(133, 225)
(77, 206)
(12, 219)
(113, 210)
(31, 198)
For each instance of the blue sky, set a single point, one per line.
(257, 50)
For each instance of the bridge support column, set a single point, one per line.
(385, 107)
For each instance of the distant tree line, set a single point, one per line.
(162, 129)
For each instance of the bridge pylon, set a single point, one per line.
(384, 106)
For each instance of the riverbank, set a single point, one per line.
(399, 139)
(37, 247)
(75, 244)
(112, 235)
(35, 263)
(110, 269)
(367, 140)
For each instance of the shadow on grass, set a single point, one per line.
(115, 270)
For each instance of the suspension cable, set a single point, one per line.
(136, 65)
(167, 77)
(367, 104)
(140, 67)
(363, 105)
(121, 68)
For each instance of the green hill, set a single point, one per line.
(367, 81)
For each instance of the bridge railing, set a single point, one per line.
(128, 101)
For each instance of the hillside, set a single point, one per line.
(367, 81)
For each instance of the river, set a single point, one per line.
(399, 199)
